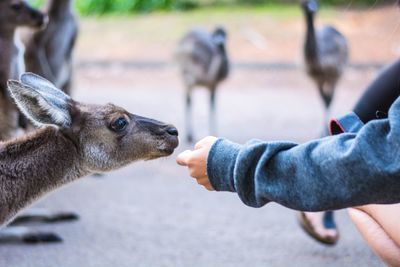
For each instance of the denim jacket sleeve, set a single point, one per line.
(354, 168)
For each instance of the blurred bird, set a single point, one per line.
(326, 55)
(203, 61)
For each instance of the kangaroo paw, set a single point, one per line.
(44, 217)
(35, 238)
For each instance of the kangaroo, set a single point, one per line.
(74, 140)
(49, 51)
(13, 13)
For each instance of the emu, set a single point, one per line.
(75, 140)
(49, 51)
(203, 61)
(326, 55)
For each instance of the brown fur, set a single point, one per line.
(33, 165)
(82, 139)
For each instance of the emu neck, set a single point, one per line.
(311, 48)
(32, 166)
(224, 64)
(59, 8)
(221, 48)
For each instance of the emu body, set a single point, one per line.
(325, 54)
(203, 61)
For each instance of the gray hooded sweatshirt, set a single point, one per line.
(357, 167)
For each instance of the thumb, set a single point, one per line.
(182, 158)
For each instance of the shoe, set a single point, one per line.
(310, 230)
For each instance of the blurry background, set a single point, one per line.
(134, 6)
(151, 213)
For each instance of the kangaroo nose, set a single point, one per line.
(172, 131)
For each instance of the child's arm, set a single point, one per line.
(330, 173)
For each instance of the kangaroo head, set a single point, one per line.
(14, 13)
(106, 136)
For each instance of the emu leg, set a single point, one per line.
(18, 234)
(326, 90)
(44, 216)
(325, 122)
(212, 119)
(188, 115)
(326, 96)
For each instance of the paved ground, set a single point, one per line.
(152, 214)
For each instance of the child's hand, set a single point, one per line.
(196, 161)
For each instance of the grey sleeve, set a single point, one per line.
(335, 172)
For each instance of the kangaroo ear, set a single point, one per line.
(42, 85)
(40, 101)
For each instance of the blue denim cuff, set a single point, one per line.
(349, 123)
(221, 163)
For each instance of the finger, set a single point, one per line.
(202, 181)
(209, 187)
(197, 172)
(206, 183)
(204, 141)
(199, 144)
(197, 163)
(183, 158)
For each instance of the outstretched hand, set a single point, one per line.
(196, 161)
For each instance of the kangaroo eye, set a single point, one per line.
(16, 6)
(119, 124)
